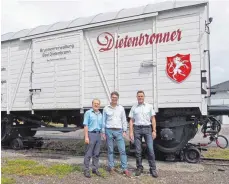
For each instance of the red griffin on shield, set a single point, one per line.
(178, 67)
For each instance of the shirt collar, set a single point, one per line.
(141, 104)
(92, 110)
(113, 107)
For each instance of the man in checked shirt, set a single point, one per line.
(114, 128)
(141, 115)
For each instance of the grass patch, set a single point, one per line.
(63, 169)
(102, 171)
(58, 124)
(5, 180)
(216, 153)
(117, 165)
(22, 167)
(19, 166)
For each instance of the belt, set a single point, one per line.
(143, 126)
(114, 128)
(94, 131)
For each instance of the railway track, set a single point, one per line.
(215, 161)
(75, 147)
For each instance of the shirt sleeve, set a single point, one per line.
(104, 120)
(131, 114)
(152, 112)
(124, 122)
(86, 118)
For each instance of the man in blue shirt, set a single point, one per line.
(114, 128)
(92, 128)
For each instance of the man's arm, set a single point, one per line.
(153, 121)
(131, 131)
(104, 124)
(131, 125)
(124, 122)
(85, 123)
(86, 134)
(104, 121)
(153, 124)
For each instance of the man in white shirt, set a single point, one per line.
(114, 128)
(141, 115)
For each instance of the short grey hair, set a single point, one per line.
(95, 100)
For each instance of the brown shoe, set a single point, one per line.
(127, 173)
(112, 171)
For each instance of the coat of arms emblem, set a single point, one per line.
(178, 67)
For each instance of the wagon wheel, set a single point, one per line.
(16, 144)
(8, 132)
(192, 155)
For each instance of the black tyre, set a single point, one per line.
(25, 132)
(16, 144)
(39, 144)
(192, 155)
(221, 141)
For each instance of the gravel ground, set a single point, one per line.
(172, 173)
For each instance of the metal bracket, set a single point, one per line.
(3, 81)
(203, 80)
(147, 64)
(207, 29)
(32, 90)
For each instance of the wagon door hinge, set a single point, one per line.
(31, 94)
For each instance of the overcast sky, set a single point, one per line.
(22, 14)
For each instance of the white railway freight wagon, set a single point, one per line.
(54, 71)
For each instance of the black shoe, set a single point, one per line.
(138, 171)
(96, 172)
(154, 173)
(87, 174)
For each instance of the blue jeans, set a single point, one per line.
(145, 132)
(116, 135)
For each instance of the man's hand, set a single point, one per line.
(154, 135)
(124, 134)
(103, 136)
(86, 140)
(131, 135)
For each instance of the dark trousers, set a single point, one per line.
(146, 132)
(92, 150)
